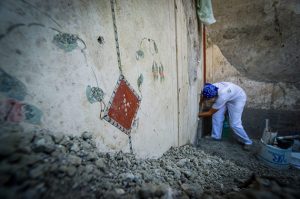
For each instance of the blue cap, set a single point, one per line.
(210, 91)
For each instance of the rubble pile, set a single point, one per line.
(41, 164)
(263, 187)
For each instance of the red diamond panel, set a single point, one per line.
(124, 105)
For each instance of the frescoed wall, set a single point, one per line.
(61, 61)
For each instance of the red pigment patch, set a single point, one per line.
(11, 111)
(123, 106)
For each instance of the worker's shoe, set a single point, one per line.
(211, 138)
(247, 147)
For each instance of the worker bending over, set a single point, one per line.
(225, 96)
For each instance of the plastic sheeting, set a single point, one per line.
(205, 12)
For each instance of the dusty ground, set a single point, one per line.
(41, 165)
(231, 150)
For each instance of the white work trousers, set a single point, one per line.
(235, 109)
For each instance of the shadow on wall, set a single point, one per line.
(254, 121)
(12, 109)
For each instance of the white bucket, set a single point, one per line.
(295, 160)
(273, 156)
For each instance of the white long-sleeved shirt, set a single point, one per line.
(228, 92)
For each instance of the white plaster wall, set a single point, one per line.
(56, 80)
(188, 60)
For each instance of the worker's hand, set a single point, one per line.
(208, 113)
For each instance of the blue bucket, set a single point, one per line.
(273, 156)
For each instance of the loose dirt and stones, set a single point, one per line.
(41, 164)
